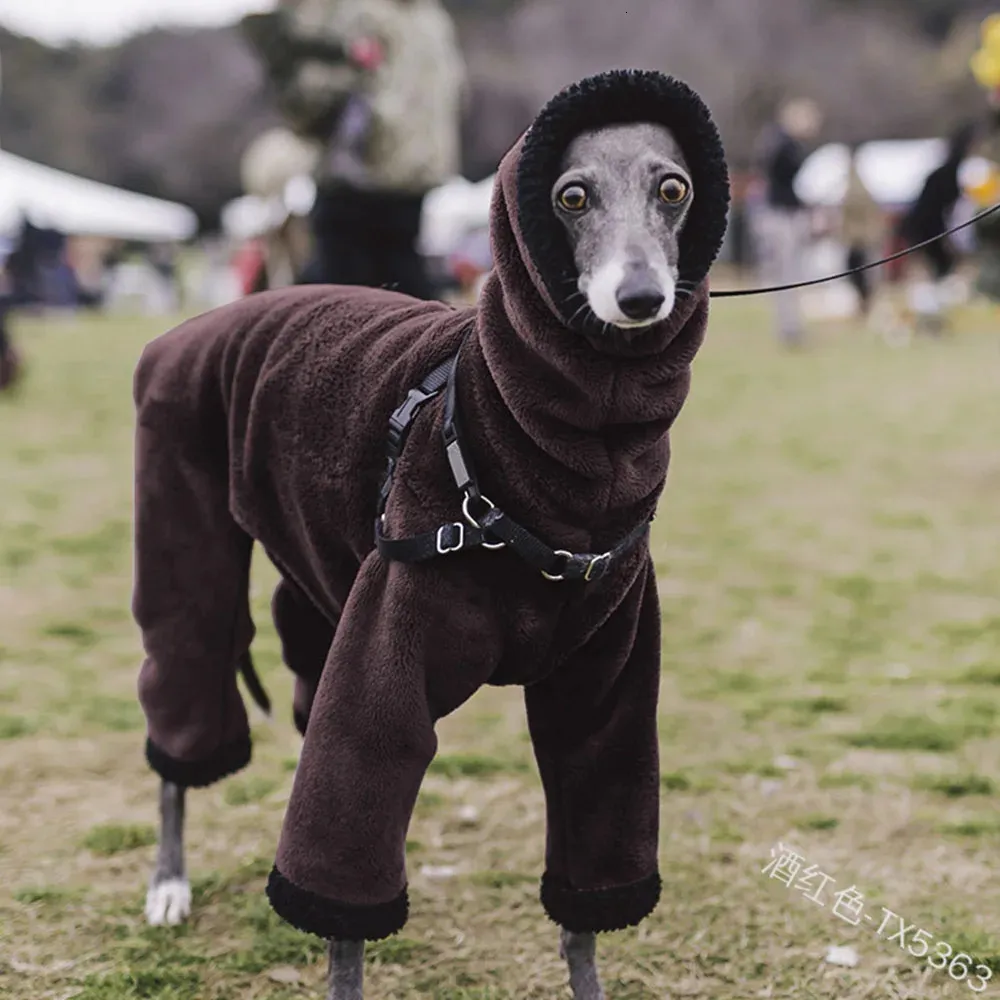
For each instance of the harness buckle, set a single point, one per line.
(402, 417)
(560, 576)
(597, 567)
(444, 549)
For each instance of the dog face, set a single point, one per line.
(623, 195)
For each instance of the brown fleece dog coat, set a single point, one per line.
(266, 421)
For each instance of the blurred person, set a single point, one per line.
(783, 220)
(163, 260)
(18, 287)
(9, 359)
(275, 169)
(378, 84)
(929, 217)
(862, 231)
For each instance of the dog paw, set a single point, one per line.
(168, 903)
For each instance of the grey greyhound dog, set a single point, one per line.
(623, 196)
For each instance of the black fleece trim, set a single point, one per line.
(617, 98)
(225, 761)
(595, 911)
(326, 918)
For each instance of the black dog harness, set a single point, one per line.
(491, 528)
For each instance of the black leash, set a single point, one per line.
(491, 528)
(735, 293)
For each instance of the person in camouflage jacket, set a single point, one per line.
(378, 84)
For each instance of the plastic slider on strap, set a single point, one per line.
(597, 567)
(450, 538)
(580, 567)
(402, 417)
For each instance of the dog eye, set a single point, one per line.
(573, 198)
(673, 190)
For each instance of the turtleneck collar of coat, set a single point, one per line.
(559, 412)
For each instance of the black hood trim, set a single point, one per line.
(614, 98)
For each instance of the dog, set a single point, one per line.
(618, 208)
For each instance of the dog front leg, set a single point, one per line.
(579, 953)
(347, 970)
(168, 900)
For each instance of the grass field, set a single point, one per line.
(829, 559)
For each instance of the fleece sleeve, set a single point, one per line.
(407, 651)
(192, 565)
(593, 726)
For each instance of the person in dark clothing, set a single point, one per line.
(9, 361)
(927, 218)
(929, 215)
(783, 220)
(782, 167)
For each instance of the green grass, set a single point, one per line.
(826, 549)
(12, 726)
(158, 984)
(985, 827)
(241, 792)
(958, 786)
(909, 733)
(473, 765)
(818, 823)
(45, 895)
(108, 839)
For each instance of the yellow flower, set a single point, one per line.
(986, 62)
(980, 180)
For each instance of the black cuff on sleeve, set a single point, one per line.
(326, 918)
(225, 761)
(598, 910)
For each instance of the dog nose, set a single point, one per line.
(639, 300)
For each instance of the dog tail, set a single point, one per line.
(252, 681)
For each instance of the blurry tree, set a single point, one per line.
(170, 113)
(935, 17)
(179, 109)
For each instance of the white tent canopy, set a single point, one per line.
(79, 207)
(453, 210)
(893, 170)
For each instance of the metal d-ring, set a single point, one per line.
(561, 576)
(492, 546)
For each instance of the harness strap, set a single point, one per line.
(493, 529)
(558, 564)
(399, 426)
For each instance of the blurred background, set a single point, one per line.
(826, 548)
(167, 99)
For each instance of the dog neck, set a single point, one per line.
(577, 426)
(568, 431)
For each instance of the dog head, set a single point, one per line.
(623, 196)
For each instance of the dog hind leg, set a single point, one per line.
(579, 953)
(168, 900)
(306, 636)
(347, 970)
